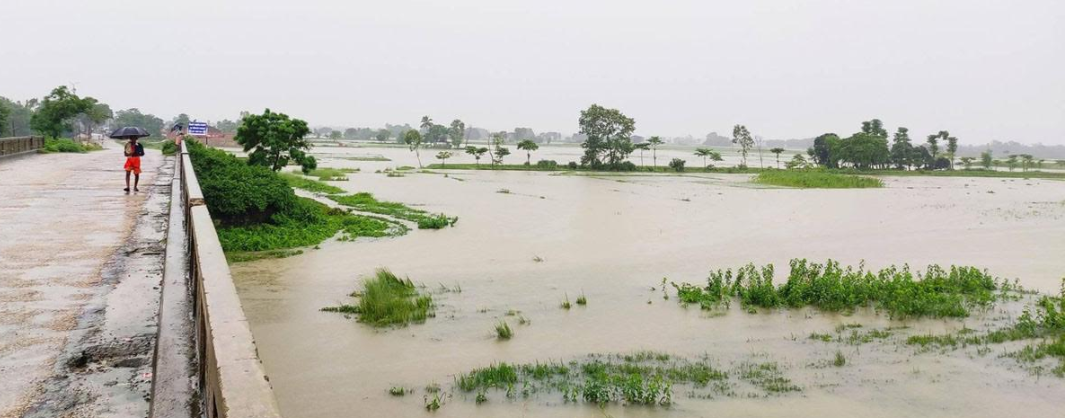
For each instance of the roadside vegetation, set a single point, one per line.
(813, 179)
(386, 300)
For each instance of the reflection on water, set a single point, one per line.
(614, 238)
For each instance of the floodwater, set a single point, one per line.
(614, 238)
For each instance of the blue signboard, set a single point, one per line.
(198, 128)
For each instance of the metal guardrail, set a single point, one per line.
(232, 382)
(20, 145)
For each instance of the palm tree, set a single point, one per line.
(427, 122)
(654, 142)
(529, 146)
(1027, 161)
(777, 151)
(704, 152)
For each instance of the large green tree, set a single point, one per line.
(5, 112)
(274, 139)
(901, 148)
(57, 111)
(457, 132)
(825, 151)
(609, 134)
(18, 118)
(134, 117)
(952, 148)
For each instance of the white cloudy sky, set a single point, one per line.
(982, 69)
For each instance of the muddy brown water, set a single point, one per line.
(613, 238)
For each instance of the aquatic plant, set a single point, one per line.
(816, 179)
(387, 300)
(581, 300)
(331, 174)
(300, 182)
(306, 223)
(397, 391)
(936, 293)
(503, 331)
(840, 360)
(565, 303)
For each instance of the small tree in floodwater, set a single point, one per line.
(443, 156)
(413, 139)
(528, 146)
(654, 142)
(643, 146)
(777, 151)
(742, 137)
(677, 164)
(477, 153)
(707, 153)
(274, 139)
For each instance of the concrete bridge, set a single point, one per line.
(116, 304)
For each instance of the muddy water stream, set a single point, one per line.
(613, 238)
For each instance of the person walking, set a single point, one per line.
(133, 151)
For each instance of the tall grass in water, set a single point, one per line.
(503, 331)
(300, 182)
(813, 179)
(365, 202)
(388, 300)
(936, 293)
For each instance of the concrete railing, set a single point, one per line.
(232, 383)
(20, 145)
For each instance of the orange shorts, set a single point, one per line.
(133, 164)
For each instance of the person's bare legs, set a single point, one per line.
(136, 181)
(127, 181)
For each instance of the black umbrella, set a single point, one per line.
(129, 132)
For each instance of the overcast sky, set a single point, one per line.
(983, 70)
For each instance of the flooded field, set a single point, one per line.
(613, 238)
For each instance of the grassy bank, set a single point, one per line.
(900, 292)
(386, 300)
(810, 179)
(306, 226)
(300, 182)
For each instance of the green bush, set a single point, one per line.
(67, 145)
(816, 179)
(238, 193)
(677, 164)
(387, 300)
(169, 147)
(551, 164)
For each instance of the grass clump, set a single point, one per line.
(503, 331)
(368, 158)
(581, 300)
(643, 378)
(813, 179)
(936, 293)
(331, 174)
(365, 202)
(767, 376)
(300, 182)
(565, 304)
(397, 391)
(387, 300)
(840, 360)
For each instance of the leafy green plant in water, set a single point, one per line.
(387, 300)
(300, 182)
(582, 300)
(840, 360)
(816, 179)
(503, 331)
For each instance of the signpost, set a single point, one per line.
(198, 128)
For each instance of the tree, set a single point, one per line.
(952, 148)
(609, 135)
(933, 142)
(274, 139)
(797, 161)
(1026, 161)
(967, 161)
(476, 152)
(427, 123)
(383, 135)
(901, 148)
(413, 139)
(707, 153)
(351, 133)
(529, 146)
(677, 164)
(335, 135)
(777, 151)
(18, 118)
(654, 142)
(5, 112)
(986, 159)
(643, 146)
(1011, 161)
(443, 156)
(134, 117)
(457, 132)
(57, 110)
(825, 151)
(865, 151)
(921, 158)
(742, 137)
(500, 153)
